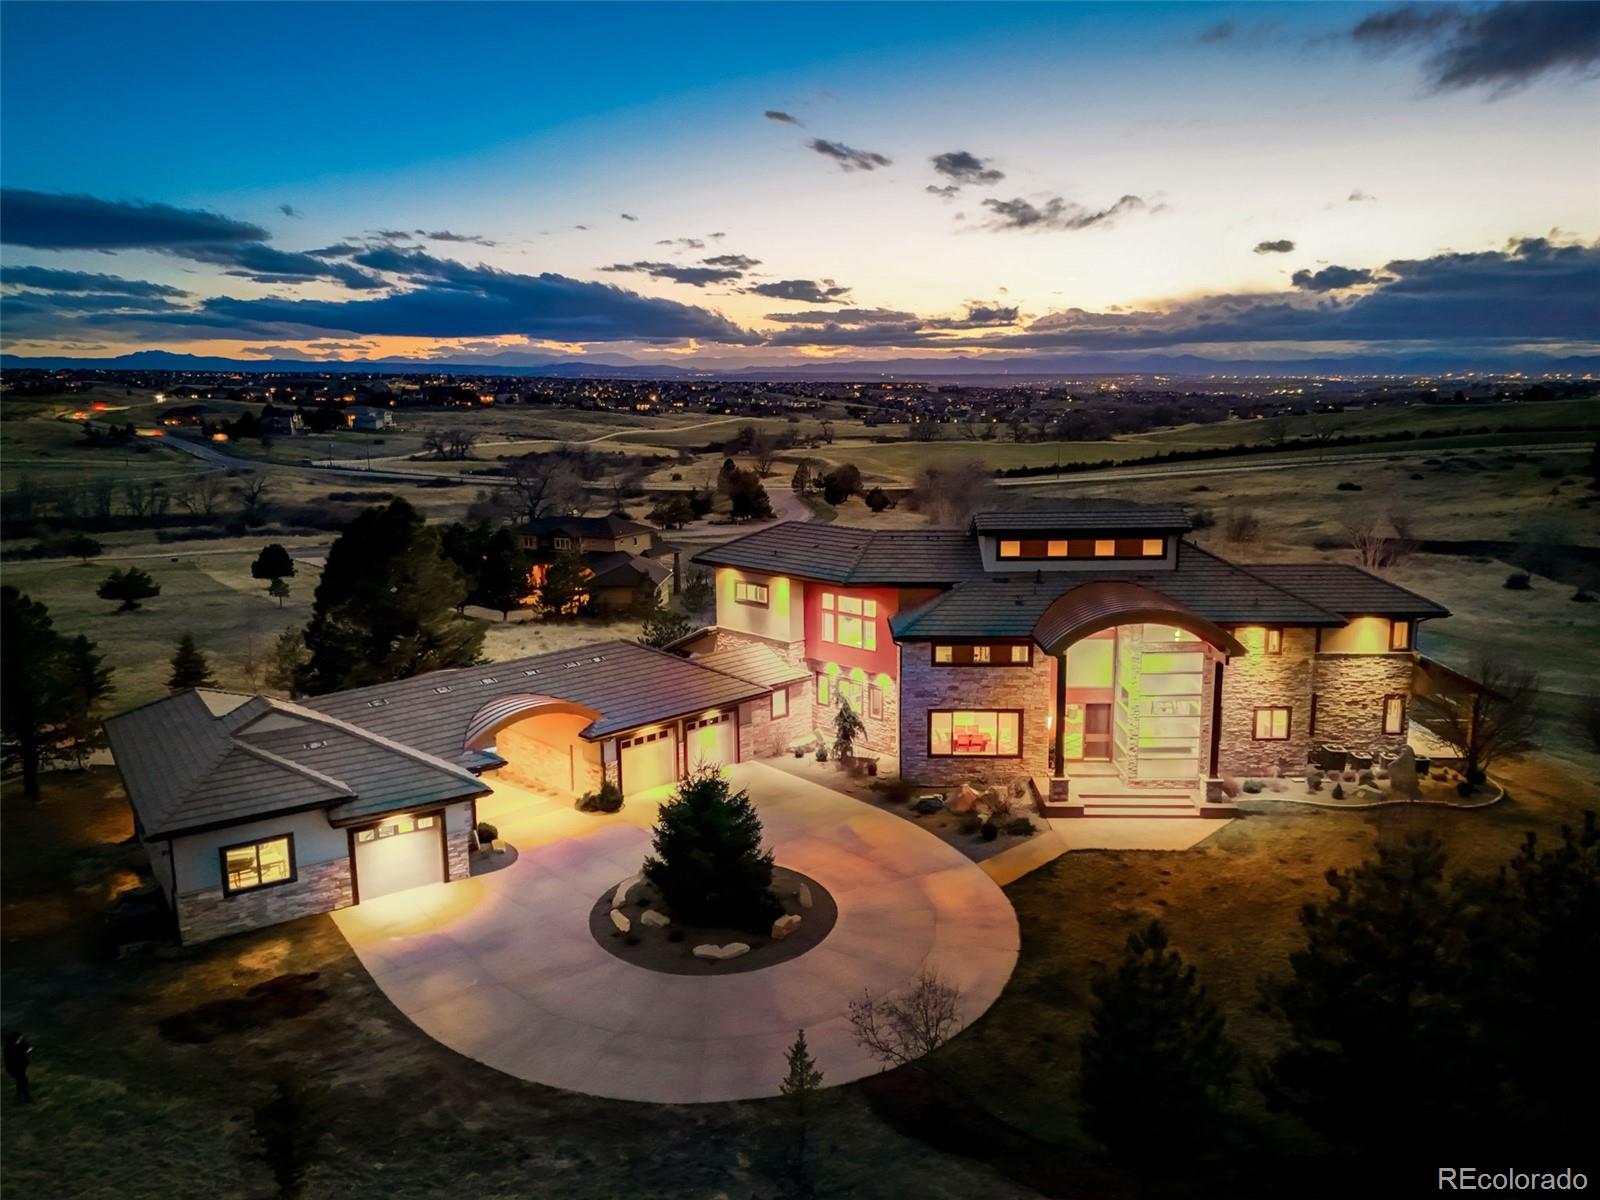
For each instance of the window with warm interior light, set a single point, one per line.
(1272, 724)
(850, 621)
(824, 690)
(1394, 714)
(1021, 654)
(1273, 642)
(1105, 548)
(750, 593)
(983, 654)
(1400, 635)
(565, 543)
(943, 654)
(975, 734)
(780, 702)
(1010, 548)
(258, 864)
(1152, 547)
(980, 654)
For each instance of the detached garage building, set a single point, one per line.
(255, 810)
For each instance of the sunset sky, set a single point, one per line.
(762, 184)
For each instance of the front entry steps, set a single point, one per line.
(1094, 797)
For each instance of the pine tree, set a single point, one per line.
(801, 483)
(272, 563)
(86, 682)
(699, 593)
(708, 860)
(130, 587)
(847, 727)
(384, 609)
(562, 588)
(279, 588)
(82, 547)
(1156, 1058)
(189, 666)
(799, 1086)
(1379, 1048)
(663, 625)
(503, 577)
(285, 661)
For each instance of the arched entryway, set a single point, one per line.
(1135, 687)
(540, 739)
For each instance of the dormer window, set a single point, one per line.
(1032, 549)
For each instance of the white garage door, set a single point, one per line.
(649, 760)
(710, 740)
(402, 852)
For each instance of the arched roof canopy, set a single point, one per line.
(502, 711)
(1091, 607)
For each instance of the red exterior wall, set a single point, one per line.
(884, 659)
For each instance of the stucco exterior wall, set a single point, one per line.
(1350, 690)
(1260, 680)
(199, 858)
(781, 620)
(924, 686)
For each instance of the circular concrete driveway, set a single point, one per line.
(502, 968)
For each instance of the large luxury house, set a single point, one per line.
(1093, 655)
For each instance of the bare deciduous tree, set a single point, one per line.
(948, 495)
(544, 484)
(252, 492)
(826, 432)
(900, 1029)
(1496, 719)
(763, 449)
(202, 496)
(1380, 538)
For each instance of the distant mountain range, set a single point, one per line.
(621, 367)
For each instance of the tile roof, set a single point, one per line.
(629, 684)
(618, 568)
(755, 662)
(205, 758)
(1008, 605)
(1085, 516)
(1348, 590)
(843, 554)
(594, 527)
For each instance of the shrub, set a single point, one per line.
(822, 754)
(1000, 806)
(1347, 486)
(708, 862)
(1253, 786)
(608, 799)
(1338, 791)
(487, 833)
(1518, 581)
(1019, 827)
(1364, 777)
(799, 751)
(1583, 596)
(1202, 518)
(989, 830)
(1241, 525)
(894, 791)
(970, 823)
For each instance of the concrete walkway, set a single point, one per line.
(1097, 833)
(502, 968)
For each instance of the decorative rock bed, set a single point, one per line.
(631, 922)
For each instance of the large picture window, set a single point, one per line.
(961, 733)
(258, 864)
(850, 621)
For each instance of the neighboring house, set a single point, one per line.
(284, 421)
(616, 551)
(186, 414)
(1090, 654)
(370, 420)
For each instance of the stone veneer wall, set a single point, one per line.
(924, 686)
(760, 736)
(458, 841)
(1350, 690)
(1263, 681)
(320, 887)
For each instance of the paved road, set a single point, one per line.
(1178, 470)
(503, 968)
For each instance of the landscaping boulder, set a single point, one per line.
(620, 896)
(785, 925)
(966, 799)
(715, 953)
(803, 892)
(929, 805)
(654, 919)
(620, 920)
(1403, 775)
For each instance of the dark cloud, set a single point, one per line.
(694, 276)
(396, 235)
(1331, 279)
(716, 237)
(684, 243)
(809, 291)
(450, 299)
(263, 264)
(1281, 246)
(50, 279)
(1056, 213)
(1358, 196)
(848, 157)
(445, 235)
(1503, 47)
(979, 315)
(737, 262)
(948, 192)
(773, 114)
(629, 217)
(290, 211)
(966, 168)
(845, 316)
(61, 222)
